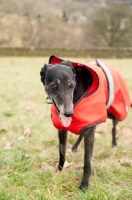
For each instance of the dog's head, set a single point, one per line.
(59, 83)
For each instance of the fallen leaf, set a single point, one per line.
(127, 130)
(117, 136)
(67, 164)
(8, 145)
(4, 138)
(128, 141)
(27, 131)
(27, 156)
(5, 176)
(9, 109)
(78, 166)
(124, 151)
(125, 162)
(46, 166)
(69, 136)
(97, 135)
(3, 130)
(21, 137)
(29, 109)
(126, 185)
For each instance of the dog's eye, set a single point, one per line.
(54, 87)
(71, 86)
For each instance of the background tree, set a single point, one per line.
(60, 24)
(5, 36)
(112, 26)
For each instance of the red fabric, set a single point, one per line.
(122, 102)
(92, 107)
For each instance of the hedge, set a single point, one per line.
(93, 53)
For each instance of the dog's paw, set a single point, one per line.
(71, 150)
(114, 148)
(83, 186)
(74, 149)
(60, 167)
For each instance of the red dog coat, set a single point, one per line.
(92, 107)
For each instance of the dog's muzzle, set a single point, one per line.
(68, 114)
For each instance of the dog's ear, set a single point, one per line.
(43, 71)
(68, 63)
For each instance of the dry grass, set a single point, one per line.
(29, 144)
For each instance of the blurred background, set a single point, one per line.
(66, 24)
(80, 31)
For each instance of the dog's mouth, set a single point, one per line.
(66, 121)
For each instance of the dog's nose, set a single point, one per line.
(68, 114)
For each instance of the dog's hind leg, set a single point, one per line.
(88, 150)
(115, 122)
(62, 135)
(75, 146)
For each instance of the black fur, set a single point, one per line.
(74, 82)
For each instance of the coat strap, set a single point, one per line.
(110, 82)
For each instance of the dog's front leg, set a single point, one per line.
(88, 150)
(62, 148)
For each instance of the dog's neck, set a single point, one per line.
(83, 81)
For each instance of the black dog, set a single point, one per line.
(65, 86)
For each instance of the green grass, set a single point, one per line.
(28, 142)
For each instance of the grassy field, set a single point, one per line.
(29, 143)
